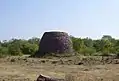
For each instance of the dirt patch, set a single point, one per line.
(96, 60)
(81, 69)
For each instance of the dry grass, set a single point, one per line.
(23, 68)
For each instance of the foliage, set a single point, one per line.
(106, 45)
(85, 46)
(3, 50)
(28, 48)
(19, 46)
(14, 49)
(78, 44)
(88, 51)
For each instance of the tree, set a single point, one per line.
(14, 49)
(34, 40)
(28, 48)
(3, 50)
(4, 43)
(78, 44)
(107, 47)
(88, 42)
(107, 37)
(97, 44)
(88, 51)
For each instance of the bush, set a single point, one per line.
(14, 49)
(87, 51)
(28, 48)
(3, 52)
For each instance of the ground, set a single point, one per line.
(28, 69)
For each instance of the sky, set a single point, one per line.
(79, 18)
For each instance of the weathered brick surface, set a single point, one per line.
(55, 42)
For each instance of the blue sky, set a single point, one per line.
(80, 18)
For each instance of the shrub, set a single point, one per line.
(3, 51)
(87, 51)
(14, 49)
(28, 48)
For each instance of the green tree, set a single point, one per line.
(5, 43)
(107, 47)
(14, 49)
(28, 48)
(88, 42)
(116, 47)
(34, 40)
(3, 50)
(88, 51)
(107, 37)
(78, 44)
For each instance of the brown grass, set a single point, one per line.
(23, 68)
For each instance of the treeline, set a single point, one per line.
(104, 46)
(84, 46)
(19, 46)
